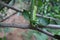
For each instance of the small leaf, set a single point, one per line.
(43, 21)
(26, 14)
(40, 3)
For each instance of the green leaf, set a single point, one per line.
(0, 38)
(40, 3)
(26, 15)
(43, 21)
(4, 38)
(12, 2)
(40, 36)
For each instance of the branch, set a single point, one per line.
(25, 26)
(7, 17)
(38, 15)
(45, 32)
(57, 27)
(6, 5)
(52, 26)
(14, 25)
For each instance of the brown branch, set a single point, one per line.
(45, 32)
(53, 26)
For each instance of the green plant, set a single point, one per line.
(47, 8)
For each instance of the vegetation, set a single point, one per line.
(49, 12)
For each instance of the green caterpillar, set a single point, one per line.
(34, 13)
(34, 18)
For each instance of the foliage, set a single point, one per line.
(3, 11)
(37, 35)
(4, 38)
(48, 8)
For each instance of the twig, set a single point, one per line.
(7, 17)
(48, 33)
(52, 26)
(38, 15)
(6, 5)
(45, 32)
